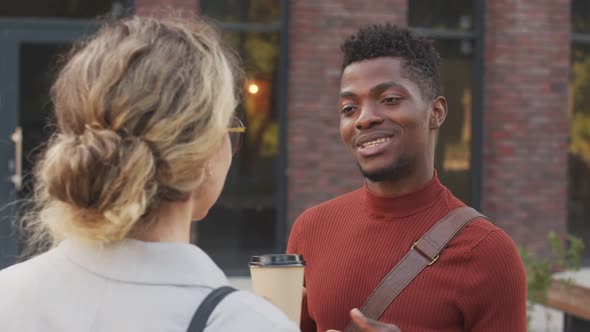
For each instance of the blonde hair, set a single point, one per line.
(140, 108)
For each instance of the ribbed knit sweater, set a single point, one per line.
(351, 242)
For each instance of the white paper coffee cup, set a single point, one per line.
(279, 279)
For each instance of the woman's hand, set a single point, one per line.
(366, 324)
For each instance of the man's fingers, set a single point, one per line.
(369, 325)
(366, 324)
(360, 320)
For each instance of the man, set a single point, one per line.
(390, 111)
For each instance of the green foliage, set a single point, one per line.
(580, 136)
(270, 140)
(262, 52)
(580, 89)
(566, 254)
(580, 80)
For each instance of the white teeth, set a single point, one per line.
(374, 143)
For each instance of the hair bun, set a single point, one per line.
(101, 174)
(141, 109)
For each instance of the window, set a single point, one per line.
(441, 15)
(248, 218)
(63, 8)
(579, 151)
(452, 25)
(33, 36)
(242, 11)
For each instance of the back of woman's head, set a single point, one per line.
(140, 108)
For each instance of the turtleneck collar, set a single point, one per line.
(406, 204)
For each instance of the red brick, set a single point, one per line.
(525, 106)
(153, 7)
(525, 124)
(316, 30)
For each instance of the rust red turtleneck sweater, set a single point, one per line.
(351, 242)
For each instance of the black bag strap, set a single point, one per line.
(206, 307)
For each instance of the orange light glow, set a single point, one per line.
(253, 88)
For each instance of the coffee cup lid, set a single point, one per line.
(277, 260)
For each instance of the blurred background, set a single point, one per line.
(515, 144)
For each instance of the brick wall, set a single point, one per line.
(146, 7)
(525, 112)
(527, 49)
(319, 168)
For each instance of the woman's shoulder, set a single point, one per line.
(22, 284)
(244, 311)
(19, 272)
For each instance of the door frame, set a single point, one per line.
(13, 33)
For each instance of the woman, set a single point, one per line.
(141, 150)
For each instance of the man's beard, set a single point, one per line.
(397, 170)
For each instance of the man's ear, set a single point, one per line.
(439, 112)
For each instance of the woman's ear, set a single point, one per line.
(207, 170)
(439, 112)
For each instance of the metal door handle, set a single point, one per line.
(17, 177)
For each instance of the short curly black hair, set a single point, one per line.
(421, 60)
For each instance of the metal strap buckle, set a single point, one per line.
(421, 253)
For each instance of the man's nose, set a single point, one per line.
(369, 117)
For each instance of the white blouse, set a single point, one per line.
(128, 286)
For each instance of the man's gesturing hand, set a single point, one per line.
(369, 325)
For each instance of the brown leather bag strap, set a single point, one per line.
(423, 253)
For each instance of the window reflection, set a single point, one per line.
(448, 14)
(453, 151)
(244, 222)
(254, 167)
(580, 17)
(63, 8)
(579, 156)
(250, 11)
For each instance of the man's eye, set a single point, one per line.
(347, 109)
(390, 100)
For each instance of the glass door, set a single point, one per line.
(30, 50)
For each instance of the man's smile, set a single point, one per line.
(372, 144)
